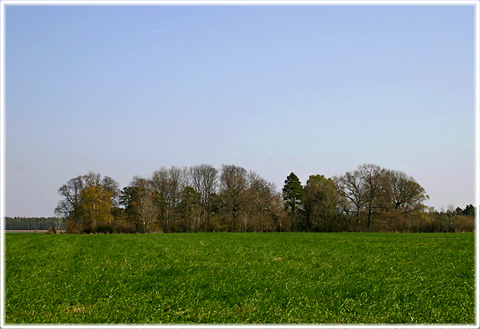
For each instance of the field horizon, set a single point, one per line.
(251, 278)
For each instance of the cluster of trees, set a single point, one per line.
(34, 223)
(368, 199)
(451, 220)
(199, 198)
(202, 198)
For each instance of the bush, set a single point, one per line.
(73, 227)
(463, 223)
(121, 226)
(104, 228)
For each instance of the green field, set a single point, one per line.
(240, 278)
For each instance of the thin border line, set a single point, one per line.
(477, 161)
(4, 3)
(2, 163)
(371, 326)
(241, 3)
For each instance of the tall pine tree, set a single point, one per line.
(292, 194)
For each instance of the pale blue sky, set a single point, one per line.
(123, 90)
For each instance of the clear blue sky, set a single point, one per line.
(123, 90)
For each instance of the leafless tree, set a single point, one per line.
(204, 181)
(169, 184)
(233, 184)
(147, 211)
(71, 193)
(351, 187)
(371, 178)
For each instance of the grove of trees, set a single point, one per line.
(232, 199)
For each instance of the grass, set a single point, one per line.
(336, 278)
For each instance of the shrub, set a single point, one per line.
(73, 227)
(104, 228)
(463, 223)
(121, 226)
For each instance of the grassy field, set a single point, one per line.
(334, 278)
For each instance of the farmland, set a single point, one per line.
(309, 278)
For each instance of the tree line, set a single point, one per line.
(34, 223)
(232, 199)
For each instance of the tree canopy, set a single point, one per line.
(202, 198)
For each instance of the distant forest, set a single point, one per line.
(34, 223)
(204, 199)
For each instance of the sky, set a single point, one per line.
(125, 90)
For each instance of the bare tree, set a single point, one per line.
(262, 204)
(191, 209)
(374, 190)
(351, 187)
(110, 185)
(147, 211)
(141, 203)
(371, 177)
(169, 184)
(404, 193)
(402, 197)
(233, 184)
(204, 181)
(68, 207)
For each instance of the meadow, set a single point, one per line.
(252, 278)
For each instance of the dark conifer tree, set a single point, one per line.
(292, 194)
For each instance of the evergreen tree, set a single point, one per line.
(292, 194)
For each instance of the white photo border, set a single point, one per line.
(6, 3)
